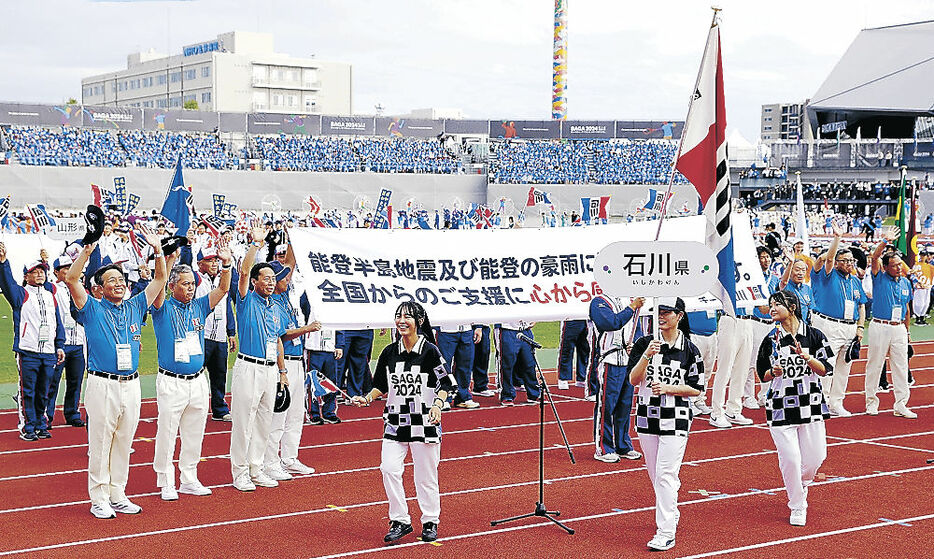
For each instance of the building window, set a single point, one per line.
(175, 77)
(768, 110)
(147, 81)
(206, 72)
(160, 79)
(768, 127)
(190, 74)
(161, 103)
(206, 97)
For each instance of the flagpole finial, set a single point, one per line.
(797, 172)
(716, 14)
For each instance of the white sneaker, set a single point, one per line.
(700, 408)
(631, 455)
(446, 406)
(126, 507)
(609, 458)
(563, 385)
(485, 393)
(738, 419)
(591, 398)
(194, 489)
(661, 543)
(276, 473)
(169, 493)
(468, 405)
(263, 480)
(719, 422)
(244, 483)
(906, 413)
(297, 468)
(872, 410)
(799, 517)
(750, 403)
(103, 511)
(840, 412)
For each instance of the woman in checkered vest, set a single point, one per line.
(792, 358)
(667, 372)
(417, 382)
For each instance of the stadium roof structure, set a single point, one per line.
(885, 78)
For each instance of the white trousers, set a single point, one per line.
(839, 336)
(891, 340)
(801, 451)
(663, 456)
(920, 299)
(425, 459)
(252, 396)
(286, 431)
(707, 345)
(183, 408)
(113, 415)
(734, 347)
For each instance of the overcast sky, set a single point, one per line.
(490, 58)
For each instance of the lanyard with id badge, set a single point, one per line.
(187, 343)
(123, 350)
(44, 329)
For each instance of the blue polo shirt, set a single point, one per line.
(805, 298)
(830, 292)
(290, 319)
(890, 296)
(106, 325)
(703, 324)
(259, 319)
(771, 285)
(172, 322)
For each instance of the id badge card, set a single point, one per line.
(271, 350)
(181, 351)
(44, 332)
(194, 343)
(848, 309)
(897, 313)
(124, 357)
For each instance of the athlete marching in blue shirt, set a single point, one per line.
(182, 387)
(889, 329)
(112, 327)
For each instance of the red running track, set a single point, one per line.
(873, 488)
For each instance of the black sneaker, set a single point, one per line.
(397, 530)
(317, 421)
(332, 420)
(43, 434)
(76, 422)
(28, 436)
(429, 531)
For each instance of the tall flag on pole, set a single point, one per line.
(5, 210)
(382, 217)
(132, 201)
(912, 255)
(176, 208)
(313, 206)
(40, 218)
(656, 200)
(593, 209)
(537, 197)
(801, 227)
(703, 162)
(904, 218)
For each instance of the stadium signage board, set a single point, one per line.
(655, 269)
(833, 127)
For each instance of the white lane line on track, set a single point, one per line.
(452, 538)
(844, 442)
(809, 537)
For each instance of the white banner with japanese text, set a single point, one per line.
(355, 278)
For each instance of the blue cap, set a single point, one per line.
(62, 261)
(280, 270)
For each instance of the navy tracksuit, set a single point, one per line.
(73, 369)
(614, 397)
(481, 360)
(457, 348)
(516, 365)
(573, 340)
(358, 345)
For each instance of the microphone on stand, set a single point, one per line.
(528, 340)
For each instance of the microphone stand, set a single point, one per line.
(540, 509)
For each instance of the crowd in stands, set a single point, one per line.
(381, 155)
(584, 161)
(83, 147)
(861, 190)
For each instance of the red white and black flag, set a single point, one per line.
(703, 161)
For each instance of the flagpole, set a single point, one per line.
(671, 177)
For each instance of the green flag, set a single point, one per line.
(901, 217)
